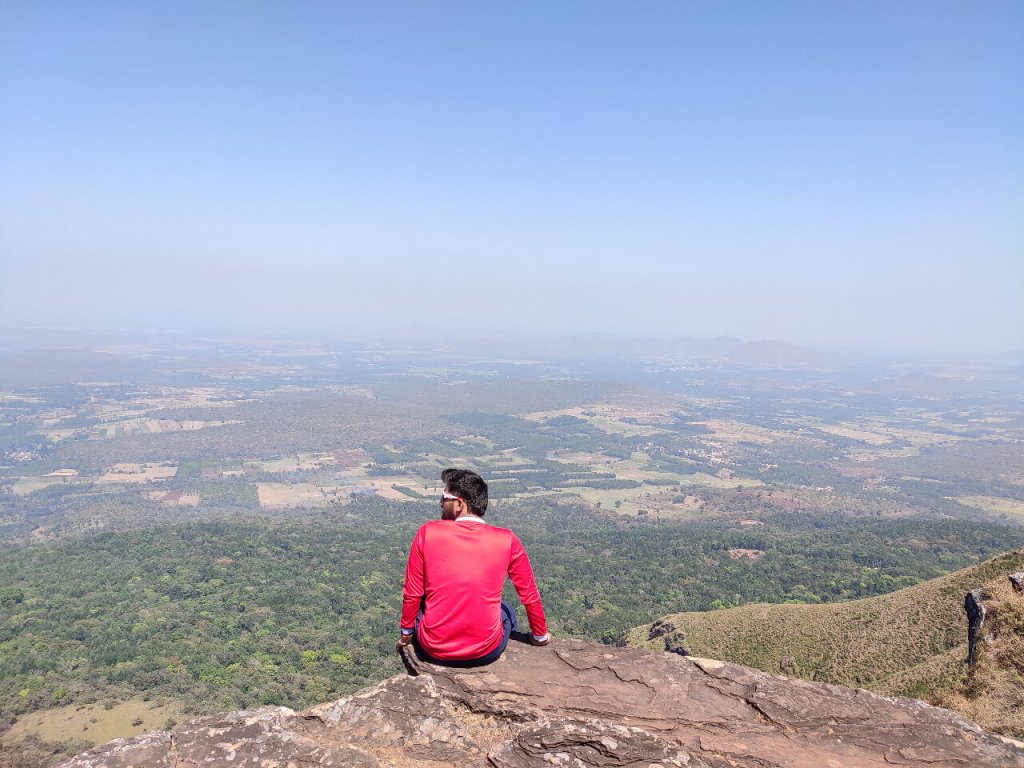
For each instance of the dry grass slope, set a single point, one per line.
(911, 643)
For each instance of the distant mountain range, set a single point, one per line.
(721, 349)
(38, 356)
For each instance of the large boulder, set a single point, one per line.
(974, 607)
(577, 704)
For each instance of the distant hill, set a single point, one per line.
(54, 367)
(721, 350)
(910, 643)
(921, 384)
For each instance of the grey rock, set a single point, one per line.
(404, 713)
(262, 737)
(575, 743)
(150, 750)
(1017, 580)
(577, 704)
(660, 628)
(672, 636)
(974, 605)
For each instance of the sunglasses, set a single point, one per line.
(445, 496)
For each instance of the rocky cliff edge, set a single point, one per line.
(577, 704)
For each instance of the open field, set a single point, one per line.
(94, 722)
(128, 472)
(23, 486)
(61, 434)
(851, 432)
(305, 494)
(586, 458)
(293, 494)
(387, 488)
(994, 504)
(301, 461)
(504, 460)
(122, 473)
(174, 498)
(737, 431)
(719, 480)
(158, 426)
(624, 501)
(920, 438)
(655, 501)
(874, 454)
(612, 419)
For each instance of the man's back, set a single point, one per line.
(459, 567)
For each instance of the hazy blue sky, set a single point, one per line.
(819, 172)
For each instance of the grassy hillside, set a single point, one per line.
(912, 642)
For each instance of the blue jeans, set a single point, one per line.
(508, 626)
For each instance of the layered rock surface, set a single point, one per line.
(577, 704)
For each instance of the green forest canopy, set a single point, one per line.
(225, 615)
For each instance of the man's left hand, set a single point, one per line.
(403, 641)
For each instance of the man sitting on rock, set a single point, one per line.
(452, 607)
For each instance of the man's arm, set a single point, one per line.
(521, 573)
(412, 593)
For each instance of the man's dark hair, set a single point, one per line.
(468, 486)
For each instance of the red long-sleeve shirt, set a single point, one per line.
(460, 567)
